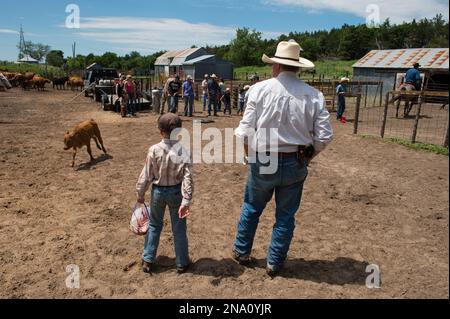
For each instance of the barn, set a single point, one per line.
(388, 66)
(171, 62)
(209, 64)
(195, 62)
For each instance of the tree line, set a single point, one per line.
(349, 42)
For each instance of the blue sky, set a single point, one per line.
(149, 26)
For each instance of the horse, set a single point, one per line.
(410, 100)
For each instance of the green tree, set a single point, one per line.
(245, 49)
(55, 58)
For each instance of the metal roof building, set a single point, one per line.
(385, 65)
(404, 59)
(194, 61)
(208, 64)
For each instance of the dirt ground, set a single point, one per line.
(365, 202)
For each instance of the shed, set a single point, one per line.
(208, 64)
(172, 62)
(386, 65)
(28, 59)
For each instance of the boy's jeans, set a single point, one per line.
(341, 108)
(162, 197)
(287, 183)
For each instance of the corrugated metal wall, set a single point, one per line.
(387, 76)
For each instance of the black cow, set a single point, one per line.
(60, 83)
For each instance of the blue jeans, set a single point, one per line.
(188, 105)
(287, 184)
(212, 102)
(131, 107)
(205, 98)
(341, 107)
(162, 197)
(173, 104)
(241, 105)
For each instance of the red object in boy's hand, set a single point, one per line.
(184, 212)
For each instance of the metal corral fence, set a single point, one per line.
(420, 116)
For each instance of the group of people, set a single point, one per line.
(216, 97)
(285, 103)
(128, 92)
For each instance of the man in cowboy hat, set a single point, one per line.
(205, 91)
(213, 93)
(413, 77)
(341, 91)
(297, 114)
(188, 96)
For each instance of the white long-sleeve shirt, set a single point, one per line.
(296, 110)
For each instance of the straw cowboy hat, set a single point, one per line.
(344, 79)
(214, 76)
(288, 53)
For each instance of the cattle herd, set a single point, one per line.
(30, 80)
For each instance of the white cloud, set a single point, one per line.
(396, 10)
(8, 31)
(156, 34)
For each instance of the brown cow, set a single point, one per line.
(39, 83)
(75, 83)
(81, 136)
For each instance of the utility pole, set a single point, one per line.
(22, 44)
(74, 49)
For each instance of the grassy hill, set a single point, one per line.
(327, 69)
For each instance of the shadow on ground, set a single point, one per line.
(90, 165)
(341, 271)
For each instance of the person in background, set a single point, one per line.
(174, 88)
(242, 99)
(222, 89)
(205, 91)
(156, 100)
(130, 90)
(170, 175)
(188, 95)
(341, 91)
(213, 91)
(226, 99)
(137, 95)
(413, 77)
(165, 94)
(120, 92)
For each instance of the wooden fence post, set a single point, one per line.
(383, 125)
(358, 106)
(445, 143)
(365, 97)
(416, 123)
(381, 93)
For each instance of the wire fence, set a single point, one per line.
(418, 117)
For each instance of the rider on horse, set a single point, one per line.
(412, 77)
